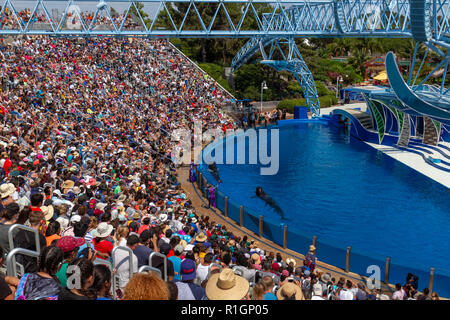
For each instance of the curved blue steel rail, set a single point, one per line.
(410, 98)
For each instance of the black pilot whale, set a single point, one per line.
(269, 201)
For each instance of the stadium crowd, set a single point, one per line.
(87, 162)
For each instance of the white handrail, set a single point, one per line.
(22, 227)
(150, 262)
(148, 268)
(11, 259)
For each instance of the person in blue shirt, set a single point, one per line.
(267, 281)
(176, 261)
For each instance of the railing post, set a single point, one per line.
(226, 206)
(261, 226)
(205, 188)
(285, 231)
(430, 283)
(386, 271)
(241, 220)
(314, 242)
(347, 259)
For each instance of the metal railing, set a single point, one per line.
(11, 263)
(214, 265)
(22, 227)
(150, 269)
(103, 262)
(157, 254)
(115, 279)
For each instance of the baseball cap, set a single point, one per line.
(187, 270)
(69, 243)
(165, 248)
(178, 249)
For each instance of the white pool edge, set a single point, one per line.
(415, 162)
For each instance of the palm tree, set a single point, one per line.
(358, 59)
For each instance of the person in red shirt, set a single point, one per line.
(36, 201)
(101, 245)
(145, 225)
(7, 164)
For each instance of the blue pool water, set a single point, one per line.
(349, 194)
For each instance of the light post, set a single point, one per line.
(263, 87)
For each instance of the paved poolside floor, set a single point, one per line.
(415, 162)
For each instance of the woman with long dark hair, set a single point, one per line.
(43, 284)
(102, 282)
(80, 277)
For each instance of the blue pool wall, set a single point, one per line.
(330, 253)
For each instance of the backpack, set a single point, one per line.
(19, 292)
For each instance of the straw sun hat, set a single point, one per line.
(47, 211)
(103, 230)
(68, 184)
(289, 260)
(7, 189)
(290, 291)
(226, 285)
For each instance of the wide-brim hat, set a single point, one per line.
(121, 198)
(256, 258)
(201, 237)
(101, 206)
(103, 230)
(76, 190)
(48, 212)
(290, 291)
(290, 260)
(325, 278)
(312, 248)
(68, 243)
(226, 285)
(68, 184)
(7, 189)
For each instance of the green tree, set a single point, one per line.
(358, 59)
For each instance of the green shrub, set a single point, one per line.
(216, 72)
(289, 104)
(322, 90)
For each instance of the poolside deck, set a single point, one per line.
(410, 159)
(416, 162)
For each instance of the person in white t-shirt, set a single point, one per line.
(202, 268)
(122, 262)
(346, 292)
(317, 293)
(399, 293)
